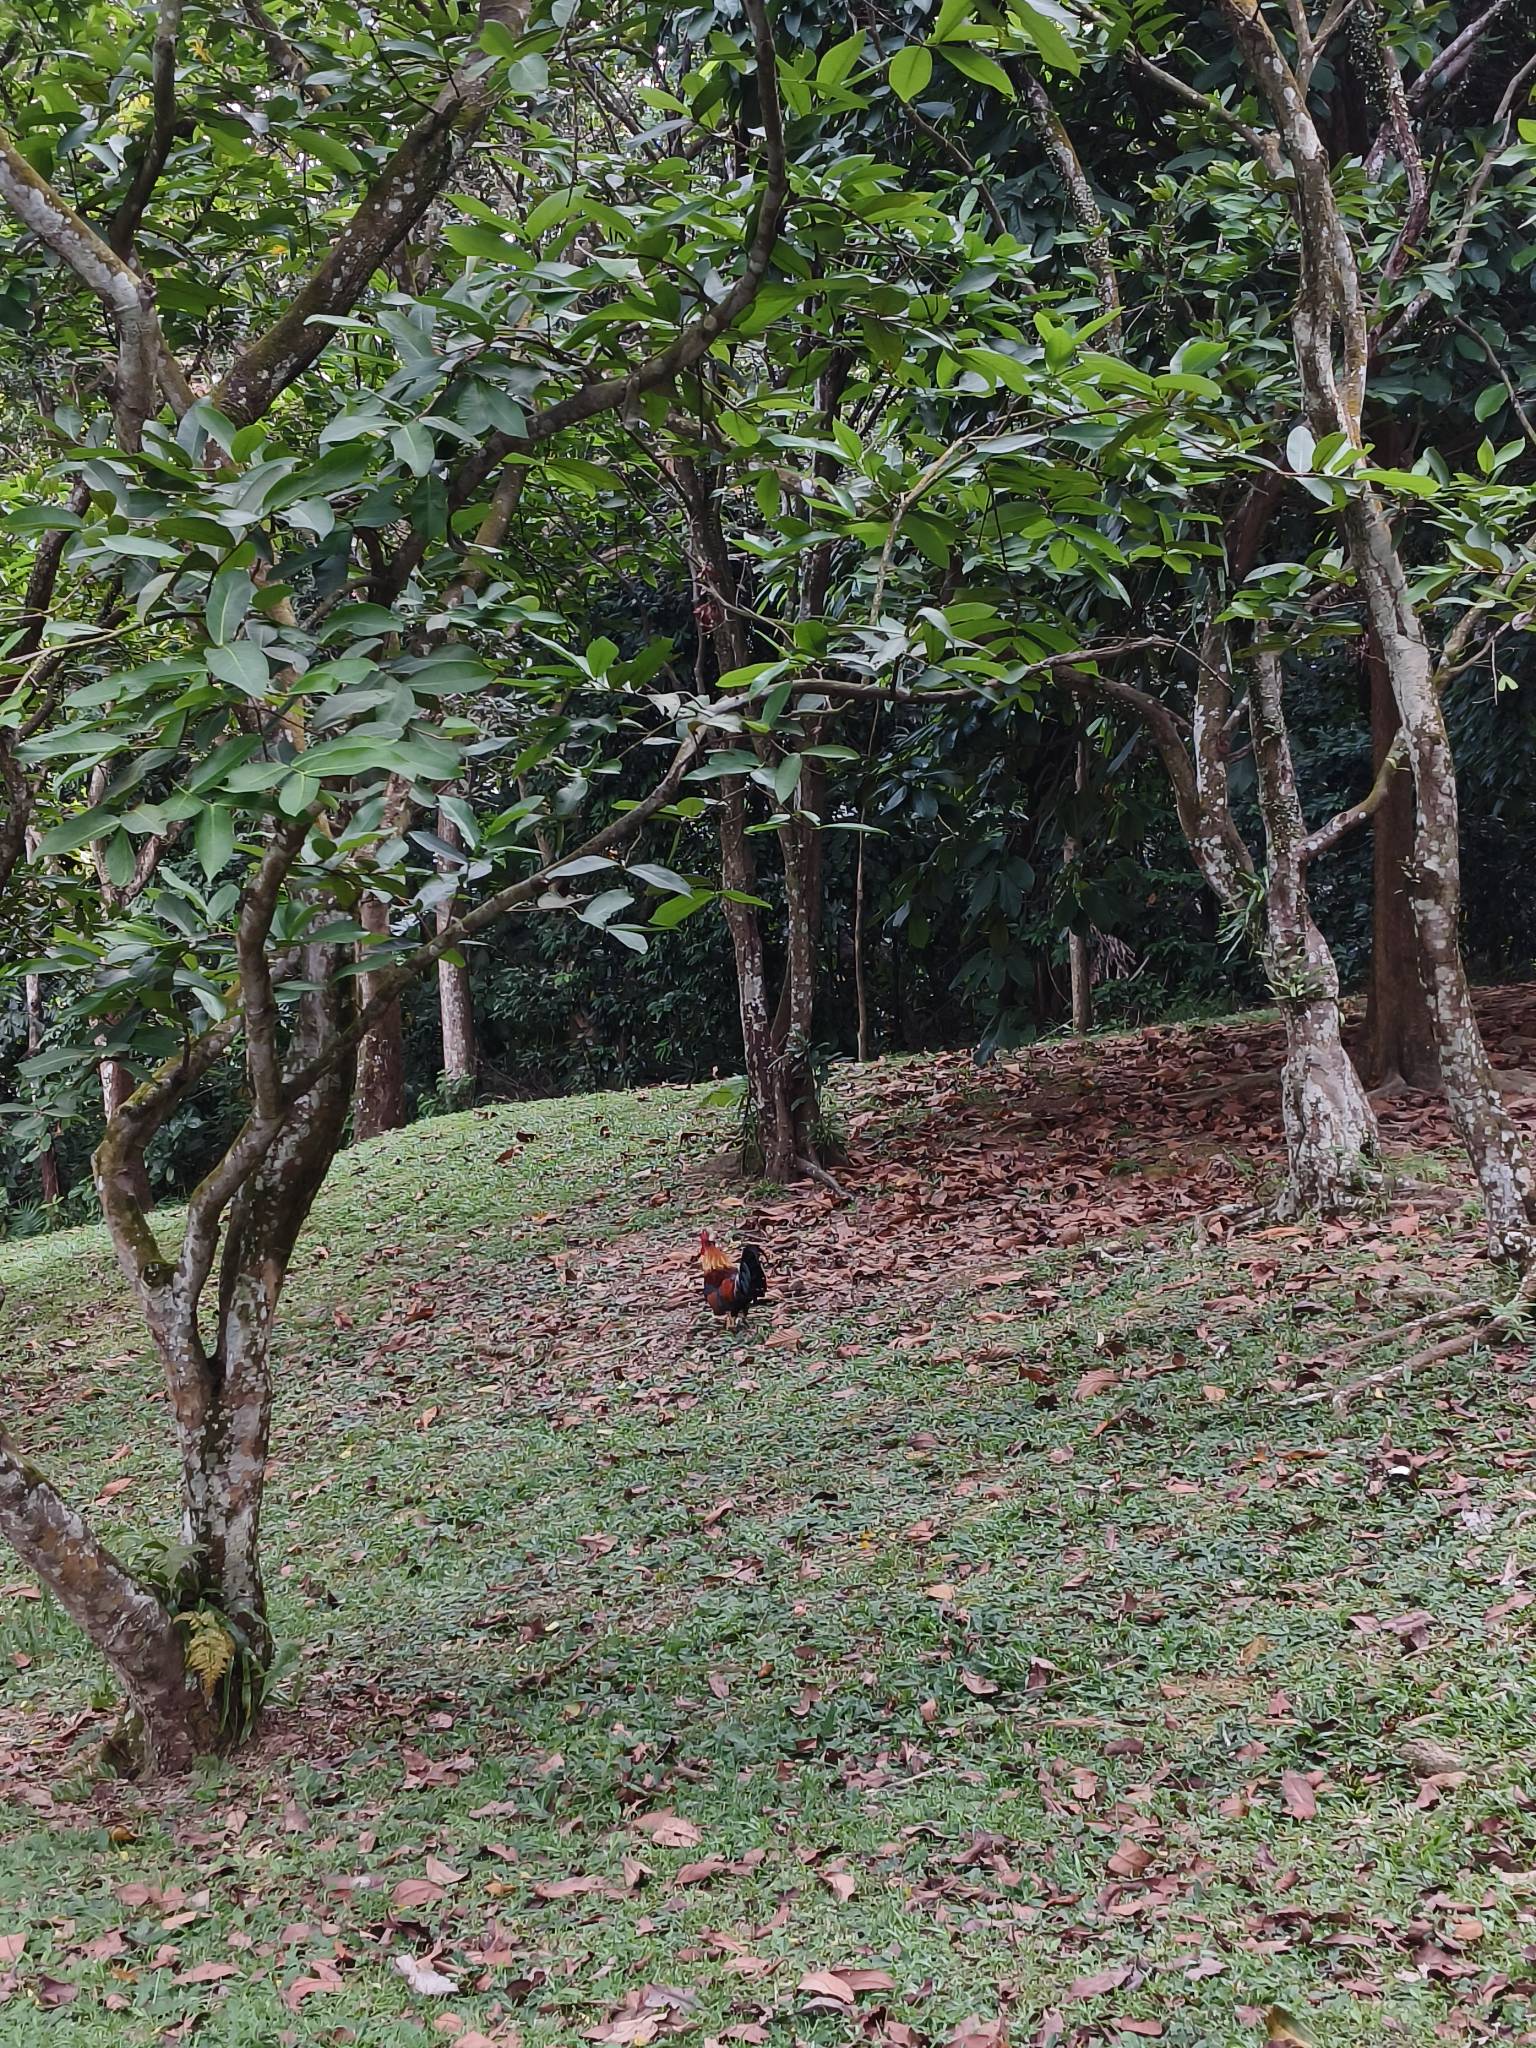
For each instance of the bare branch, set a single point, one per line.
(1190, 95)
(262, 1052)
(286, 59)
(1400, 126)
(691, 343)
(1474, 334)
(1503, 117)
(1453, 59)
(387, 213)
(128, 297)
(1067, 164)
(1342, 823)
(122, 1147)
(162, 129)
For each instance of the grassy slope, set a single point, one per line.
(966, 1672)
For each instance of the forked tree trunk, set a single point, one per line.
(381, 1059)
(783, 1112)
(1330, 1129)
(455, 1004)
(224, 1469)
(1399, 1031)
(1494, 1146)
(1329, 1125)
(221, 1402)
(1330, 309)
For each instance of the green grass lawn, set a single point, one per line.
(983, 1634)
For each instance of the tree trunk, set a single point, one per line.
(116, 1087)
(381, 1059)
(48, 1175)
(1330, 1130)
(224, 1470)
(1079, 960)
(455, 1004)
(1331, 303)
(796, 1110)
(738, 872)
(1499, 1158)
(169, 1723)
(261, 1191)
(1399, 1030)
(783, 1113)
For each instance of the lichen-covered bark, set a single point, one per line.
(1330, 1128)
(390, 211)
(1494, 1146)
(116, 1087)
(381, 1056)
(265, 1220)
(455, 1001)
(1329, 311)
(1400, 1043)
(128, 298)
(123, 1618)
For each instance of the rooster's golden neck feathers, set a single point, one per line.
(711, 1258)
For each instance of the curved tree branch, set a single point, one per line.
(692, 342)
(129, 298)
(387, 213)
(157, 143)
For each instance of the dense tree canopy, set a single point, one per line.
(877, 496)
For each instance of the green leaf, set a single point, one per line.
(78, 831)
(666, 916)
(470, 239)
(839, 61)
(657, 877)
(606, 906)
(1046, 37)
(41, 519)
(119, 860)
(1410, 480)
(984, 70)
(229, 599)
(786, 777)
(1489, 400)
(557, 206)
(413, 445)
(214, 837)
(909, 72)
(241, 664)
(600, 657)
(330, 149)
(584, 864)
(1299, 447)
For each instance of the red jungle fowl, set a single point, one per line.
(731, 1285)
